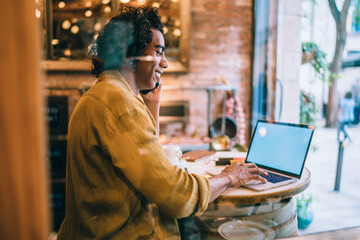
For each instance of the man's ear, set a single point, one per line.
(133, 65)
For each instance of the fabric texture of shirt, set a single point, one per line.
(119, 181)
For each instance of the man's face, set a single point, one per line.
(148, 73)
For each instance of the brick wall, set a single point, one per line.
(221, 46)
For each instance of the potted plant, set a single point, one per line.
(305, 214)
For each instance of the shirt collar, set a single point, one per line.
(115, 76)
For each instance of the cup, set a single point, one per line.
(173, 152)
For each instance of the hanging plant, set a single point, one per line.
(317, 58)
(308, 109)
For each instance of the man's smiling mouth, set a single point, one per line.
(158, 74)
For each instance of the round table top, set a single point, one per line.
(242, 196)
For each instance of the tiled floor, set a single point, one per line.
(334, 210)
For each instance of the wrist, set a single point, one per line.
(230, 179)
(153, 105)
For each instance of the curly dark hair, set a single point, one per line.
(125, 35)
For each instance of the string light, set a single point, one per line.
(156, 5)
(105, 2)
(37, 13)
(97, 26)
(88, 4)
(88, 13)
(66, 24)
(54, 41)
(166, 30)
(67, 52)
(107, 9)
(124, 1)
(176, 32)
(61, 4)
(74, 29)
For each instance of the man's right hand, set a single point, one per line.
(241, 174)
(235, 175)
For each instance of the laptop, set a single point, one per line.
(280, 149)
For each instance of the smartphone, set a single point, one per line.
(144, 92)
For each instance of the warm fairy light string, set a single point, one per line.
(146, 58)
(74, 28)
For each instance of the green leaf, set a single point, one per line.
(319, 62)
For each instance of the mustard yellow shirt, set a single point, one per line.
(119, 182)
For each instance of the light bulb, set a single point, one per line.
(67, 52)
(97, 27)
(176, 32)
(74, 29)
(166, 30)
(54, 41)
(156, 5)
(88, 13)
(61, 4)
(66, 24)
(37, 13)
(107, 9)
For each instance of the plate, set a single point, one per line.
(248, 230)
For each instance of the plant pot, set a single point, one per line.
(305, 216)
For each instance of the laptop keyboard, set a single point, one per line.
(274, 178)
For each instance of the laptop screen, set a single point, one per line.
(280, 146)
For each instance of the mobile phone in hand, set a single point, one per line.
(144, 92)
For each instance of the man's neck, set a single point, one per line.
(129, 76)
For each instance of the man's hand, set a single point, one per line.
(152, 101)
(241, 174)
(235, 175)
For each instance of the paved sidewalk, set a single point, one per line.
(334, 210)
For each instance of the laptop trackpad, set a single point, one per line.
(254, 182)
(260, 186)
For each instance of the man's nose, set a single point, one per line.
(164, 62)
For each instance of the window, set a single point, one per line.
(71, 25)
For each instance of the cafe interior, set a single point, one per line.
(231, 63)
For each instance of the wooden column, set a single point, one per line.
(24, 205)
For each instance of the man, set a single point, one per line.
(356, 94)
(120, 183)
(345, 116)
